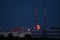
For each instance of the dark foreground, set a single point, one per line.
(27, 37)
(16, 38)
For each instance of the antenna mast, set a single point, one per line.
(45, 21)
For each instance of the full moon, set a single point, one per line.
(38, 27)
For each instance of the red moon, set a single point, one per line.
(38, 27)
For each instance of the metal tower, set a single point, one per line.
(35, 13)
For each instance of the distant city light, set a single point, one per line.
(28, 29)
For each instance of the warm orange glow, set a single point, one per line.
(38, 27)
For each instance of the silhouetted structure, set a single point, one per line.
(10, 35)
(28, 36)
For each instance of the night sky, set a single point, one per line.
(15, 13)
